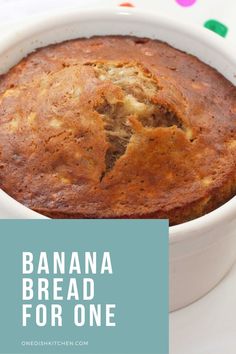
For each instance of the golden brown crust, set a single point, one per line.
(117, 127)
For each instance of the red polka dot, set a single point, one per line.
(126, 4)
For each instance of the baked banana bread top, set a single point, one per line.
(117, 127)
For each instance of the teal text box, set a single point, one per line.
(138, 286)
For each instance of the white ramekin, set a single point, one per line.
(202, 250)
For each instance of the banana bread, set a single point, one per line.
(117, 127)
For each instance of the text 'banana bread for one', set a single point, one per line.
(117, 127)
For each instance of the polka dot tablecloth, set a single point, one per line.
(215, 15)
(213, 24)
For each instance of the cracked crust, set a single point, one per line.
(117, 127)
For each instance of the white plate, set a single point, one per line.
(209, 325)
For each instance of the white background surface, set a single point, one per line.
(209, 325)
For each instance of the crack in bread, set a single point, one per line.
(139, 90)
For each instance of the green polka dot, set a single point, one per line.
(216, 27)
